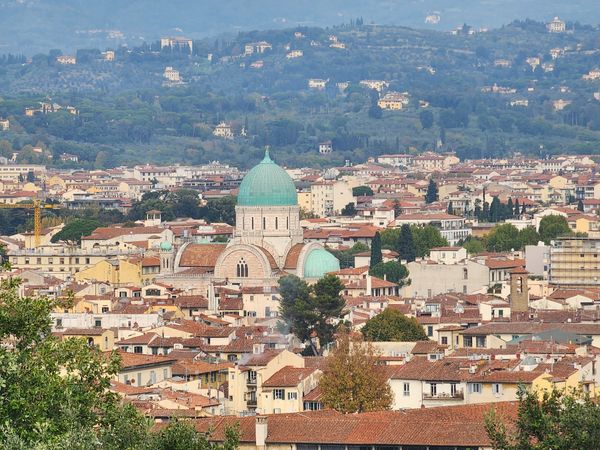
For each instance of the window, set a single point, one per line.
(480, 341)
(496, 388)
(475, 388)
(292, 396)
(406, 389)
(50, 261)
(264, 223)
(39, 260)
(104, 309)
(453, 389)
(444, 340)
(433, 389)
(87, 260)
(58, 323)
(98, 323)
(278, 394)
(429, 330)
(138, 349)
(465, 274)
(253, 223)
(467, 341)
(464, 288)
(500, 313)
(242, 268)
(276, 223)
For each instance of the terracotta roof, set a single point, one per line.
(288, 376)
(448, 426)
(103, 233)
(83, 332)
(132, 360)
(532, 328)
(201, 255)
(291, 260)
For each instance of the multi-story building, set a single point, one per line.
(171, 74)
(575, 262)
(179, 43)
(328, 198)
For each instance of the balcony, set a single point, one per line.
(445, 396)
(251, 381)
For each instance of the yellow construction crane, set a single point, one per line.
(37, 207)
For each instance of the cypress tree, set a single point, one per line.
(406, 244)
(450, 208)
(509, 209)
(517, 210)
(432, 192)
(580, 205)
(495, 210)
(376, 256)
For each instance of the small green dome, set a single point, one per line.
(166, 246)
(267, 184)
(320, 262)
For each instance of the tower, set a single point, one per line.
(519, 290)
(167, 257)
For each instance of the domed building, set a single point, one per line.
(267, 242)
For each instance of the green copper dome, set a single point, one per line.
(166, 246)
(267, 184)
(320, 262)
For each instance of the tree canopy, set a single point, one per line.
(54, 393)
(392, 271)
(405, 245)
(392, 325)
(549, 420)
(376, 256)
(432, 192)
(306, 309)
(74, 230)
(553, 226)
(353, 381)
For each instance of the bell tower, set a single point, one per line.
(519, 290)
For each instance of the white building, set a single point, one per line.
(171, 74)
(556, 26)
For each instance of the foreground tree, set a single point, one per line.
(426, 238)
(554, 420)
(309, 310)
(353, 381)
(54, 394)
(392, 325)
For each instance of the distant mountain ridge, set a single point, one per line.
(31, 26)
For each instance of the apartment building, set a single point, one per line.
(575, 262)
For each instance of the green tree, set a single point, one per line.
(516, 212)
(353, 380)
(474, 245)
(552, 227)
(426, 238)
(349, 210)
(54, 394)
(509, 213)
(426, 118)
(405, 246)
(495, 210)
(580, 205)
(74, 230)
(432, 192)
(392, 325)
(450, 209)
(376, 256)
(503, 238)
(307, 309)
(392, 271)
(360, 191)
(528, 236)
(547, 420)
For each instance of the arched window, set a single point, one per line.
(465, 273)
(242, 268)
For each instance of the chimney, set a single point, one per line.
(261, 432)
(369, 285)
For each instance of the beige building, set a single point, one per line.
(328, 198)
(574, 262)
(246, 379)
